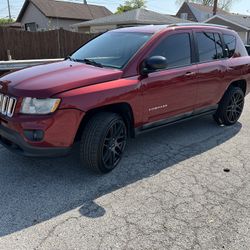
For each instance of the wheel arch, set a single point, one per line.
(123, 109)
(239, 83)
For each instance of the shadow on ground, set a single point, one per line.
(33, 191)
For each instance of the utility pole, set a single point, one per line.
(215, 7)
(8, 2)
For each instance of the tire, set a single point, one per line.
(230, 107)
(103, 142)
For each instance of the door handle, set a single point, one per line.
(190, 74)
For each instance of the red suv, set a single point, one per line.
(120, 84)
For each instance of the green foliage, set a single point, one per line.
(6, 21)
(131, 5)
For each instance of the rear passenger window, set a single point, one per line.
(219, 47)
(206, 46)
(230, 43)
(176, 48)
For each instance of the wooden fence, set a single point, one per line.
(39, 45)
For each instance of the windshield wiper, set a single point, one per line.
(70, 58)
(86, 60)
(92, 62)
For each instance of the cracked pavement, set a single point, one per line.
(169, 192)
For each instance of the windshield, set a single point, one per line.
(112, 49)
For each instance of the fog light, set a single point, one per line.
(34, 135)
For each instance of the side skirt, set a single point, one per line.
(176, 119)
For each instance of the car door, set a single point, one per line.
(212, 68)
(172, 91)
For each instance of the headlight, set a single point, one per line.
(39, 106)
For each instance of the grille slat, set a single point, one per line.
(7, 105)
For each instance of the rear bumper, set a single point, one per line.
(15, 143)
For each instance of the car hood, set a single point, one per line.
(47, 80)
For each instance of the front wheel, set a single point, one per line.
(103, 142)
(230, 107)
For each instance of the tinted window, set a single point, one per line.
(176, 48)
(112, 49)
(219, 47)
(230, 43)
(248, 49)
(206, 46)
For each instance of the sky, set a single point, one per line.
(161, 6)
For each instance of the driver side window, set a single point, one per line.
(176, 49)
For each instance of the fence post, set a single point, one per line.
(9, 55)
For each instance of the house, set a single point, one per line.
(239, 23)
(127, 19)
(41, 15)
(200, 13)
(197, 12)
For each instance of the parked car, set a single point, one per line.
(248, 49)
(121, 84)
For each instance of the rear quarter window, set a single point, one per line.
(230, 44)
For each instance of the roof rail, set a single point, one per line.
(198, 24)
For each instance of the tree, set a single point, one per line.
(6, 21)
(131, 5)
(222, 4)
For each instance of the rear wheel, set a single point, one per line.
(103, 142)
(230, 107)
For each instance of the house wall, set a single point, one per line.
(100, 29)
(103, 28)
(81, 29)
(185, 9)
(200, 16)
(33, 14)
(244, 36)
(242, 32)
(62, 23)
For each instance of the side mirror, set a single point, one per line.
(153, 64)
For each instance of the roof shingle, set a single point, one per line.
(67, 10)
(207, 9)
(137, 16)
(243, 20)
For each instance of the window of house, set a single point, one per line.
(230, 43)
(31, 27)
(206, 46)
(184, 16)
(176, 48)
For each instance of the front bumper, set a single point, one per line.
(59, 131)
(15, 143)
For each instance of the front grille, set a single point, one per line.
(7, 105)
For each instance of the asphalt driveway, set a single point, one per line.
(186, 186)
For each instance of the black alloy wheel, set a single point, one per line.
(235, 107)
(103, 142)
(230, 107)
(114, 144)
